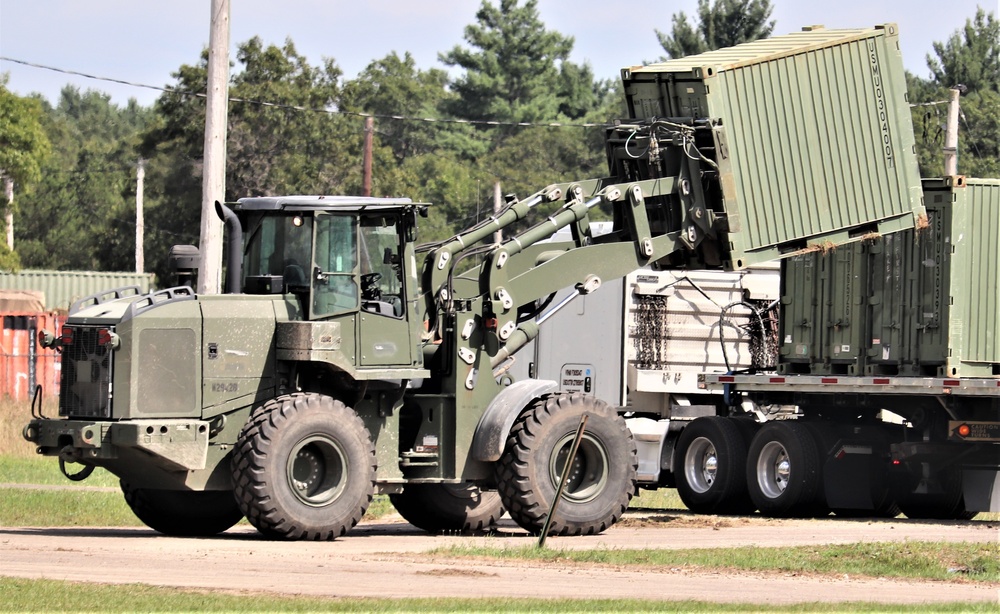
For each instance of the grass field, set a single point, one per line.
(26, 595)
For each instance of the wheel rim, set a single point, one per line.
(773, 469)
(701, 465)
(588, 473)
(317, 470)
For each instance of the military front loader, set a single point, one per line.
(346, 360)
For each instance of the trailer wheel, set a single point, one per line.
(784, 477)
(304, 468)
(711, 456)
(944, 501)
(602, 477)
(183, 513)
(447, 508)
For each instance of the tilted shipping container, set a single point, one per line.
(814, 140)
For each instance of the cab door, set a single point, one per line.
(383, 326)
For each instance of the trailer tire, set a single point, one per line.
(449, 508)
(711, 454)
(784, 476)
(304, 468)
(183, 513)
(948, 503)
(602, 478)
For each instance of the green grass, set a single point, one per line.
(76, 505)
(921, 560)
(57, 596)
(45, 470)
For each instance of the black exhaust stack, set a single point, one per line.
(234, 259)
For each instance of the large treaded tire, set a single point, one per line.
(183, 513)
(304, 468)
(449, 508)
(945, 502)
(784, 473)
(711, 458)
(602, 479)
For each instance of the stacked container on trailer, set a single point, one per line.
(928, 305)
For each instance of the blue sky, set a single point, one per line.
(145, 41)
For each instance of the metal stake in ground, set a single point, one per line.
(562, 480)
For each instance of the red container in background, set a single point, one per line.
(24, 363)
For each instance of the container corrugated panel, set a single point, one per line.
(974, 284)
(816, 140)
(799, 317)
(893, 304)
(61, 288)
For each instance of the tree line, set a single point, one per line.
(74, 161)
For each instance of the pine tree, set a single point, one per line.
(720, 23)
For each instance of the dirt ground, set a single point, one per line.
(389, 558)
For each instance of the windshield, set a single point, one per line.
(280, 245)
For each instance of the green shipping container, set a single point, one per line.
(916, 303)
(813, 135)
(959, 314)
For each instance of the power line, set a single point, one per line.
(294, 107)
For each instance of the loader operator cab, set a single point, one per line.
(342, 258)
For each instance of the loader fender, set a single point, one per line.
(497, 420)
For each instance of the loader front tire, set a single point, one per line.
(304, 468)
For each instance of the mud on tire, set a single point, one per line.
(602, 478)
(304, 468)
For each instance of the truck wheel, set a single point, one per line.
(183, 513)
(602, 477)
(446, 508)
(304, 468)
(711, 456)
(784, 477)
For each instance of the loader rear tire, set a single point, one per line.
(183, 513)
(304, 468)
(449, 508)
(602, 477)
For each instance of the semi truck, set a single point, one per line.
(346, 359)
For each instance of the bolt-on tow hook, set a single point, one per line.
(69, 454)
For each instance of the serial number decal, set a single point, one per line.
(883, 112)
(225, 387)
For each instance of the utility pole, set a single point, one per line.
(213, 186)
(497, 206)
(366, 159)
(140, 224)
(951, 135)
(8, 189)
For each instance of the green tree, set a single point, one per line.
(82, 213)
(515, 70)
(393, 86)
(720, 23)
(292, 144)
(971, 56)
(23, 149)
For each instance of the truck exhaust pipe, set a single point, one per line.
(234, 258)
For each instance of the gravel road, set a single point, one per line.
(389, 558)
